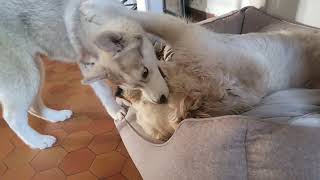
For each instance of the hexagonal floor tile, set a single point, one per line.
(5, 148)
(17, 142)
(84, 102)
(19, 157)
(101, 126)
(58, 99)
(48, 159)
(41, 125)
(107, 165)
(104, 143)
(60, 134)
(98, 113)
(3, 168)
(116, 177)
(115, 131)
(77, 141)
(77, 161)
(23, 172)
(51, 174)
(3, 124)
(5, 133)
(130, 171)
(122, 149)
(83, 176)
(37, 123)
(77, 123)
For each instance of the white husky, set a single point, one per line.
(56, 28)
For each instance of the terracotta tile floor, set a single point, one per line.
(88, 148)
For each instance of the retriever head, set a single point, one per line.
(162, 119)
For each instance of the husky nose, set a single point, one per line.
(163, 99)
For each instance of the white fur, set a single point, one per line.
(56, 29)
(19, 91)
(104, 92)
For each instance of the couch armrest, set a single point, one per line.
(207, 149)
(229, 147)
(256, 20)
(250, 19)
(230, 23)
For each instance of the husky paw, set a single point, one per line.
(42, 142)
(122, 102)
(121, 114)
(59, 116)
(52, 115)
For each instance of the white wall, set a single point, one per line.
(150, 5)
(309, 12)
(283, 8)
(219, 7)
(303, 11)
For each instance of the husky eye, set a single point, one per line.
(145, 73)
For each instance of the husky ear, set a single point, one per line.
(112, 42)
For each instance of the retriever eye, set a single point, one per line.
(145, 73)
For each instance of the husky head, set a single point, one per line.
(129, 60)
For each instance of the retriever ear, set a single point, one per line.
(192, 101)
(189, 103)
(109, 41)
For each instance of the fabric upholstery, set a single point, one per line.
(229, 147)
(212, 149)
(230, 23)
(282, 152)
(256, 21)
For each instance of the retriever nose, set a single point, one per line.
(163, 99)
(119, 92)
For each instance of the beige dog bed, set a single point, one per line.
(230, 147)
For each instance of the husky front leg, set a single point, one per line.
(104, 93)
